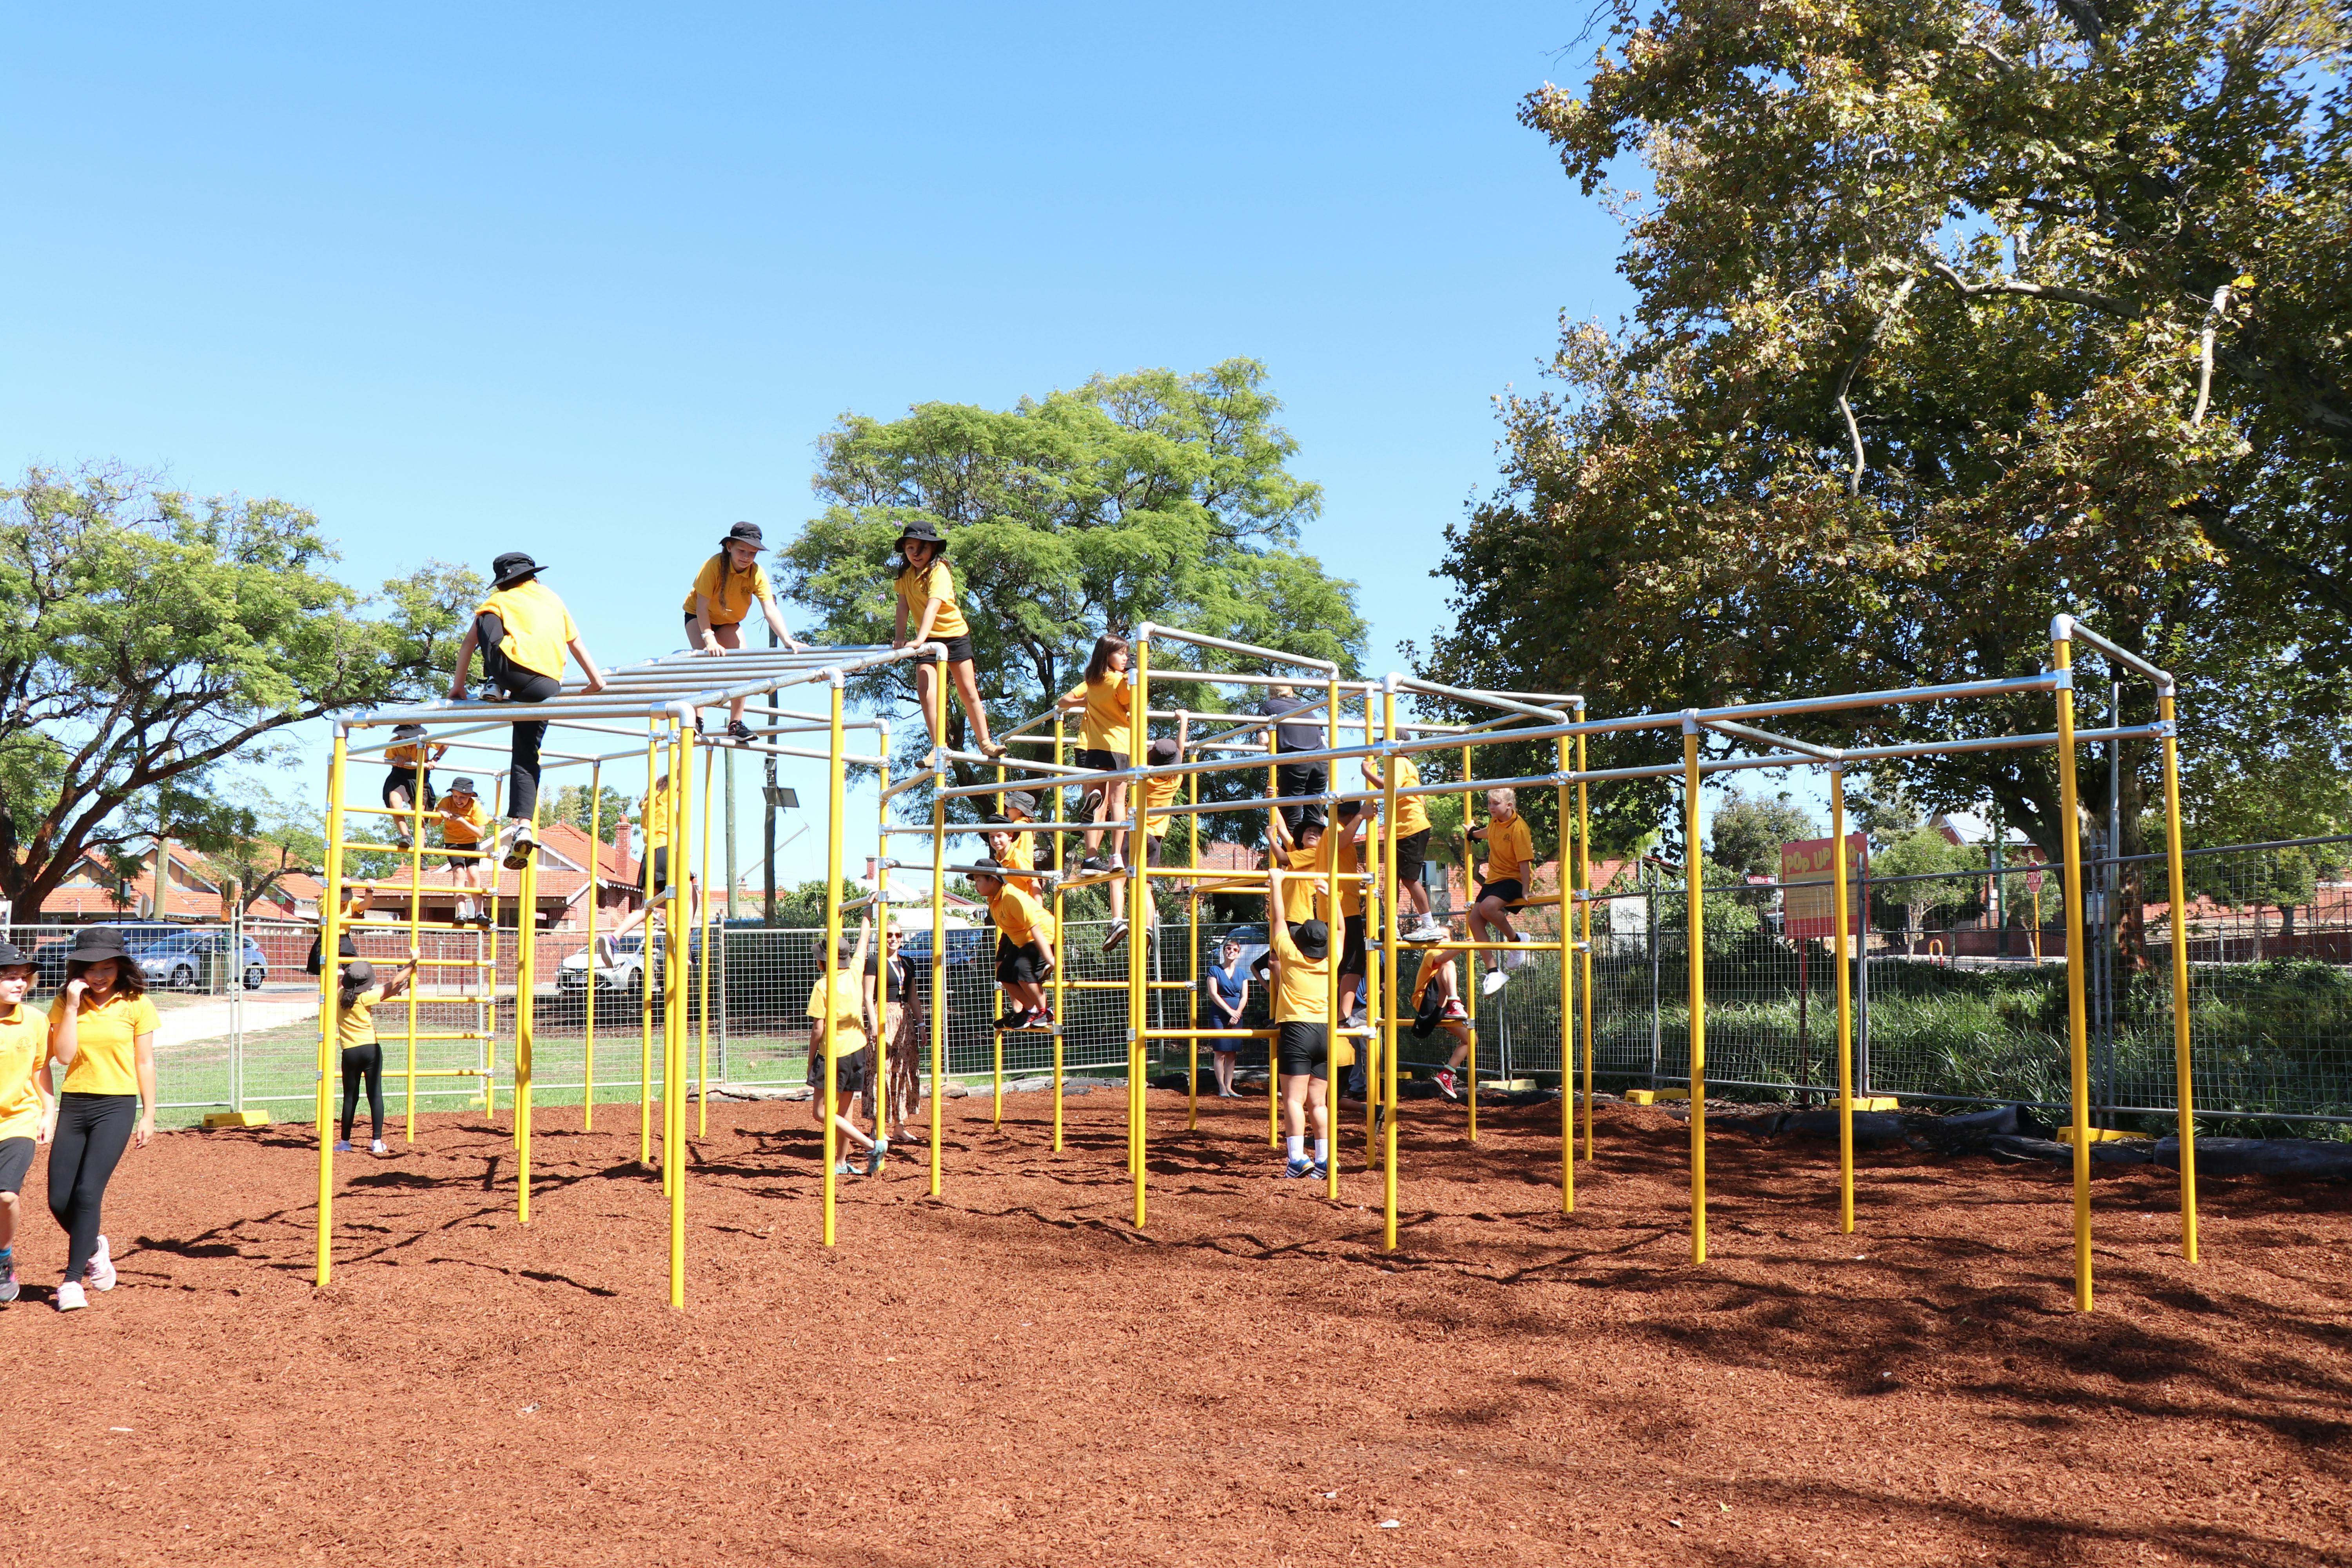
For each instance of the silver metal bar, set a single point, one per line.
(1148, 631)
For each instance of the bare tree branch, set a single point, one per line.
(2106, 303)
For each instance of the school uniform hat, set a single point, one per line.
(845, 949)
(743, 534)
(923, 529)
(1312, 938)
(10, 958)
(460, 786)
(360, 972)
(400, 729)
(1163, 752)
(988, 866)
(512, 566)
(92, 943)
(1021, 800)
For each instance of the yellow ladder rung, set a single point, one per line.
(439, 1034)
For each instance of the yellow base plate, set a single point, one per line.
(2102, 1135)
(236, 1119)
(1654, 1096)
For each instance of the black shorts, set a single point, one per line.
(1507, 890)
(1102, 761)
(405, 778)
(1299, 1048)
(15, 1159)
(1152, 844)
(1412, 851)
(849, 1073)
(958, 648)
(661, 869)
(1025, 965)
(1351, 953)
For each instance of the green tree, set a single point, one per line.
(1933, 862)
(290, 841)
(1149, 496)
(1926, 294)
(803, 908)
(146, 638)
(1748, 831)
(572, 803)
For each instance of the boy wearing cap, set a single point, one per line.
(464, 824)
(721, 598)
(26, 1107)
(523, 631)
(926, 594)
(1302, 1013)
(1510, 864)
(412, 758)
(838, 1032)
(1024, 945)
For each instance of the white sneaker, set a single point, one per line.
(1495, 980)
(100, 1269)
(70, 1297)
(604, 956)
(1427, 930)
(518, 846)
(377, 1148)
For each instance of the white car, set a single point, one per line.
(626, 971)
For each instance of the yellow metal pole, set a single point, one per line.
(1192, 935)
(645, 966)
(1338, 920)
(1374, 1042)
(835, 804)
(526, 1017)
(491, 1008)
(1842, 963)
(1584, 880)
(595, 826)
(416, 918)
(877, 1093)
(673, 1066)
(1470, 995)
(1061, 949)
(2077, 1023)
(1274, 860)
(330, 941)
(1693, 876)
(1568, 908)
(2184, 1085)
(702, 1036)
(1138, 909)
(1394, 1002)
(938, 977)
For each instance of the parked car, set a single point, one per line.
(627, 969)
(179, 961)
(49, 958)
(971, 946)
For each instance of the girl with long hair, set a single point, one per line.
(926, 593)
(102, 1034)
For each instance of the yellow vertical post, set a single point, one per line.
(1470, 993)
(1139, 909)
(702, 969)
(1060, 949)
(1192, 933)
(415, 919)
(1693, 877)
(939, 947)
(489, 1012)
(877, 1093)
(1394, 1002)
(2184, 1087)
(330, 940)
(1328, 872)
(526, 1017)
(1838, 927)
(1568, 908)
(674, 1067)
(645, 964)
(2077, 1023)
(1374, 1042)
(1273, 1066)
(595, 826)
(1584, 880)
(835, 804)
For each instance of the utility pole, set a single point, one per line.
(769, 794)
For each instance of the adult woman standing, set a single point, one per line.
(103, 1033)
(927, 613)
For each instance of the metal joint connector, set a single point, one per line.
(1690, 721)
(2061, 679)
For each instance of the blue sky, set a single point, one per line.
(590, 282)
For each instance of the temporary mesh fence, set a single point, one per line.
(1951, 1002)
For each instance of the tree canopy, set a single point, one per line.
(1149, 496)
(147, 637)
(1952, 315)
(1749, 830)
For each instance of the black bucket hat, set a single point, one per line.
(847, 948)
(401, 732)
(459, 787)
(92, 943)
(988, 866)
(1163, 752)
(922, 529)
(359, 972)
(511, 567)
(744, 534)
(11, 958)
(1310, 821)
(1312, 938)
(1021, 800)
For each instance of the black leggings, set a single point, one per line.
(1299, 778)
(363, 1062)
(523, 686)
(92, 1132)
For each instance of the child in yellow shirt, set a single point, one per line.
(26, 1109)
(720, 600)
(926, 594)
(1510, 866)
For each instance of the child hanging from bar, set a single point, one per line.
(1302, 1047)
(720, 600)
(653, 832)
(1413, 849)
(841, 1030)
(1303, 731)
(410, 776)
(1510, 866)
(363, 1060)
(522, 631)
(1302, 854)
(1105, 701)
(1357, 850)
(1015, 852)
(464, 825)
(1158, 794)
(1024, 947)
(926, 593)
(1437, 1005)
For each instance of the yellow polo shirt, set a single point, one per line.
(462, 826)
(1108, 702)
(731, 593)
(1356, 855)
(1412, 810)
(538, 625)
(1510, 850)
(24, 1046)
(356, 1026)
(107, 1058)
(848, 1017)
(1019, 915)
(1158, 795)
(916, 589)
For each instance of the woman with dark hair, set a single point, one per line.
(1107, 702)
(363, 1054)
(926, 593)
(103, 1033)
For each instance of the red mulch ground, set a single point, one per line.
(1015, 1375)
